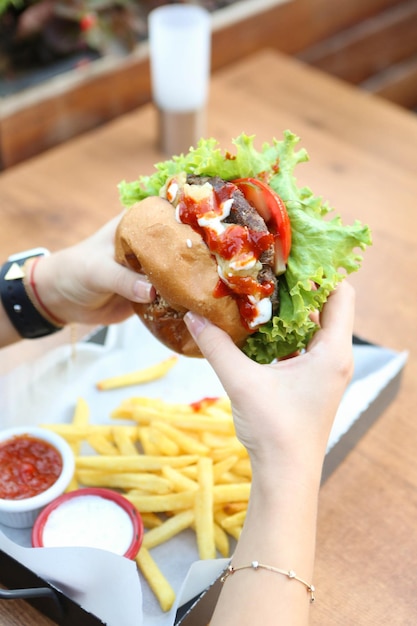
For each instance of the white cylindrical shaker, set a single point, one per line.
(180, 49)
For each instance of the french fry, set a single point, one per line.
(124, 480)
(72, 432)
(147, 441)
(123, 411)
(124, 443)
(146, 414)
(236, 519)
(230, 478)
(162, 503)
(138, 491)
(73, 484)
(223, 466)
(81, 414)
(102, 444)
(156, 580)
(178, 481)
(163, 443)
(186, 442)
(168, 529)
(231, 493)
(144, 410)
(204, 522)
(233, 531)
(243, 467)
(234, 507)
(214, 406)
(218, 440)
(150, 520)
(223, 404)
(135, 463)
(190, 471)
(138, 377)
(81, 417)
(204, 423)
(221, 540)
(224, 453)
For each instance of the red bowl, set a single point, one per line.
(68, 529)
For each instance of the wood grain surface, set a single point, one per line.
(363, 161)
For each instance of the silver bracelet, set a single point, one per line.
(255, 565)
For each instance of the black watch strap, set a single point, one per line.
(27, 320)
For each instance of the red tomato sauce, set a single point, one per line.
(199, 405)
(28, 466)
(234, 241)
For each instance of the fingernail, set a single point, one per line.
(195, 323)
(143, 291)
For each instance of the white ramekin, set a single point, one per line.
(22, 513)
(86, 530)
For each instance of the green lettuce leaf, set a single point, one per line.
(323, 249)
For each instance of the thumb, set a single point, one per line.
(217, 347)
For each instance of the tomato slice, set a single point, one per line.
(274, 212)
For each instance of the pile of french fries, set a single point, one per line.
(180, 465)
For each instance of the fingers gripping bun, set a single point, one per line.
(179, 265)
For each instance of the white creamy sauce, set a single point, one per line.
(172, 191)
(89, 521)
(263, 312)
(242, 262)
(214, 221)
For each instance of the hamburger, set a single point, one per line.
(233, 238)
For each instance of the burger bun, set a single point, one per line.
(178, 263)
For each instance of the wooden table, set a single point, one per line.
(363, 160)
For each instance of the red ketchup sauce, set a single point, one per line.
(28, 466)
(234, 242)
(199, 405)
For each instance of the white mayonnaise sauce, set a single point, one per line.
(172, 191)
(89, 521)
(214, 221)
(263, 312)
(242, 262)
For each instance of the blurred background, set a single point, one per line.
(67, 66)
(39, 38)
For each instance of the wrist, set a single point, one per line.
(41, 291)
(19, 301)
(280, 526)
(294, 471)
(272, 492)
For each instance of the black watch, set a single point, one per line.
(24, 316)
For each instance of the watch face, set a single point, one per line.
(28, 254)
(15, 271)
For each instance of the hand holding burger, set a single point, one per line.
(234, 239)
